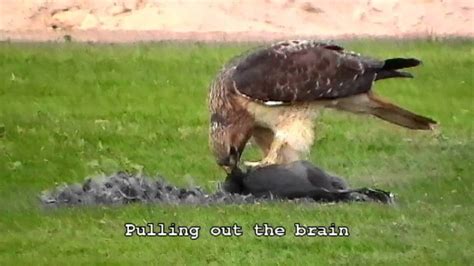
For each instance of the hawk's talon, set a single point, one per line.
(259, 164)
(252, 164)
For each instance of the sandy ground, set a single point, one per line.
(228, 20)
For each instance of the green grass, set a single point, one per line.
(68, 111)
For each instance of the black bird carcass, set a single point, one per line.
(299, 179)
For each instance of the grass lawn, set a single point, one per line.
(68, 111)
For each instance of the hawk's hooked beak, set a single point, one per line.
(227, 169)
(232, 160)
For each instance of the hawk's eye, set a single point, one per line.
(217, 119)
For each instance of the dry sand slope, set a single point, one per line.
(132, 20)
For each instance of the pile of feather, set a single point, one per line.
(123, 188)
(299, 181)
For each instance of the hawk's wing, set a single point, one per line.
(298, 71)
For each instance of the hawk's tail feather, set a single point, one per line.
(391, 66)
(399, 116)
(386, 74)
(399, 63)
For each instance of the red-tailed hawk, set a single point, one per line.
(274, 94)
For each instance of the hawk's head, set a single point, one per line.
(227, 142)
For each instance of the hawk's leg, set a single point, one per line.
(263, 137)
(288, 141)
(272, 156)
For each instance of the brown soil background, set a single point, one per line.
(227, 20)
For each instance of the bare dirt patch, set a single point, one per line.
(226, 20)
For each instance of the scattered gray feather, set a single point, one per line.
(125, 188)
